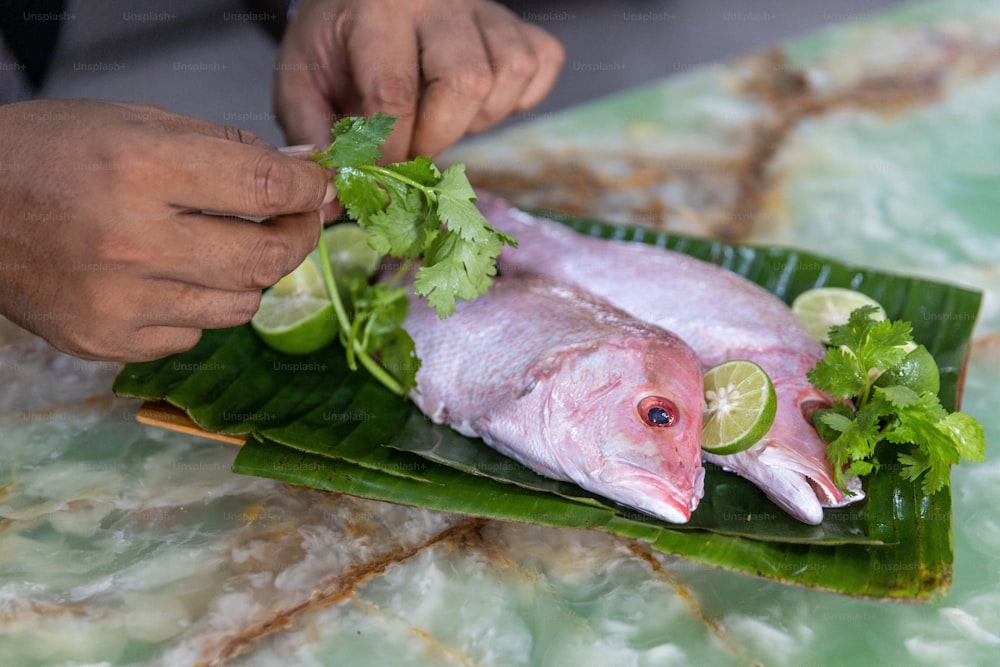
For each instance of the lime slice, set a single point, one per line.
(917, 370)
(740, 407)
(295, 315)
(349, 252)
(821, 308)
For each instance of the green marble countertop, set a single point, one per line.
(875, 143)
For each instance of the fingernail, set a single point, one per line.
(301, 149)
(331, 194)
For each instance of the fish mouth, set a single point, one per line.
(790, 465)
(811, 404)
(653, 494)
(790, 480)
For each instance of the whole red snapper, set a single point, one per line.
(571, 387)
(722, 316)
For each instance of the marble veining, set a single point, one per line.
(874, 142)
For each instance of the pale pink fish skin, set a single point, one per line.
(552, 376)
(723, 317)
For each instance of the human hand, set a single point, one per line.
(443, 67)
(105, 250)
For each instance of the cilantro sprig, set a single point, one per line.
(414, 212)
(899, 412)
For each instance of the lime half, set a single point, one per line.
(349, 252)
(740, 405)
(917, 370)
(823, 307)
(295, 315)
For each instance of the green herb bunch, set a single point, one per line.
(889, 386)
(414, 212)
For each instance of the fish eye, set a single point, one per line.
(657, 411)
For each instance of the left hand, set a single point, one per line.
(443, 67)
(108, 251)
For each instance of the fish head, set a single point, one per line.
(791, 464)
(793, 447)
(624, 418)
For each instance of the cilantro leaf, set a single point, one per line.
(411, 211)
(456, 268)
(898, 396)
(913, 465)
(883, 344)
(455, 197)
(861, 468)
(839, 374)
(834, 419)
(384, 308)
(855, 443)
(420, 169)
(397, 229)
(862, 351)
(359, 193)
(966, 434)
(455, 206)
(356, 140)
(852, 334)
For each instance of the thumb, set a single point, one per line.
(331, 208)
(246, 179)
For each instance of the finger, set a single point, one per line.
(195, 153)
(383, 52)
(513, 61)
(230, 253)
(134, 345)
(458, 78)
(301, 102)
(331, 210)
(298, 151)
(168, 303)
(147, 319)
(210, 173)
(172, 122)
(549, 55)
(156, 342)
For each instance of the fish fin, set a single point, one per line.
(542, 369)
(527, 387)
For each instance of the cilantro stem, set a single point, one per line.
(403, 269)
(400, 207)
(355, 350)
(378, 372)
(331, 287)
(428, 193)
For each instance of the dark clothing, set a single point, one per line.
(30, 29)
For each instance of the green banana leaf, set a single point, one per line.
(314, 423)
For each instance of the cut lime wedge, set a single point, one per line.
(296, 316)
(349, 252)
(823, 307)
(740, 405)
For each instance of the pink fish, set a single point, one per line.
(722, 316)
(571, 387)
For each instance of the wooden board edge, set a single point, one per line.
(164, 415)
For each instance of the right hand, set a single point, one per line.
(444, 68)
(105, 251)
